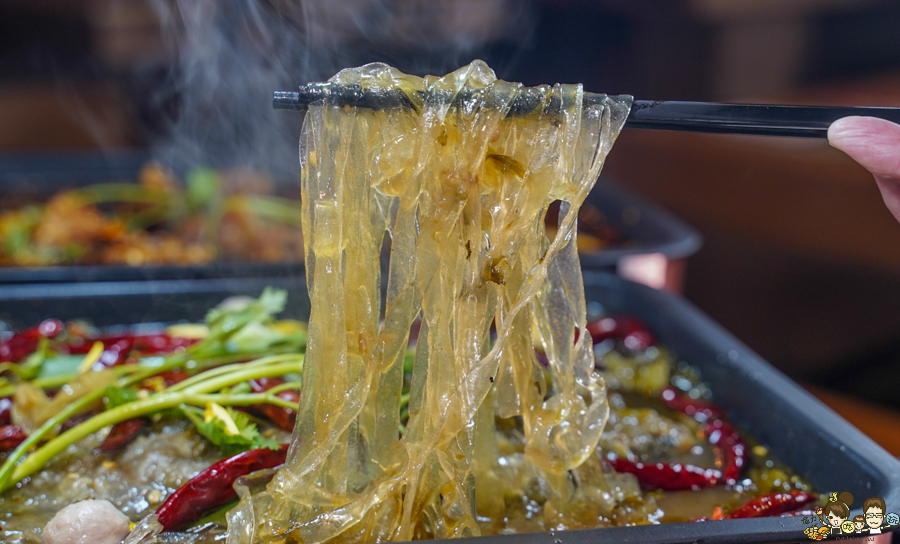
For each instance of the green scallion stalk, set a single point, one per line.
(271, 208)
(197, 390)
(125, 192)
(154, 404)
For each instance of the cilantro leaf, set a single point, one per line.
(60, 365)
(253, 338)
(30, 368)
(231, 431)
(203, 185)
(225, 323)
(269, 303)
(117, 396)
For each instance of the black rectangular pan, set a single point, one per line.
(823, 448)
(27, 178)
(799, 430)
(126, 302)
(644, 227)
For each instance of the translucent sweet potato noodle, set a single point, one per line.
(461, 189)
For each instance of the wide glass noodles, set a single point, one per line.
(461, 189)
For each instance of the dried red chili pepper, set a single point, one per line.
(23, 343)
(6, 411)
(700, 410)
(117, 349)
(632, 332)
(122, 434)
(669, 476)
(214, 487)
(152, 344)
(78, 346)
(730, 449)
(75, 421)
(11, 436)
(283, 418)
(115, 353)
(48, 328)
(147, 344)
(772, 505)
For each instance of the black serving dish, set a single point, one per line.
(37, 177)
(644, 227)
(126, 302)
(799, 430)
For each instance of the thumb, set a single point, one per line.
(874, 144)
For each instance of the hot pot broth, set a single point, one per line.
(491, 422)
(140, 476)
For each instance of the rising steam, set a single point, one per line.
(230, 55)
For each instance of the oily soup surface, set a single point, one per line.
(462, 190)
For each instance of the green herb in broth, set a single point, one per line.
(639, 424)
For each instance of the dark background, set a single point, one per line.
(801, 259)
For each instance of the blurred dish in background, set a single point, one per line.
(213, 216)
(614, 224)
(594, 230)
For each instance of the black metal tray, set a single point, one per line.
(645, 227)
(802, 432)
(38, 176)
(127, 302)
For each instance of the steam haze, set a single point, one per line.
(228, 56)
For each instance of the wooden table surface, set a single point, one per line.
(881, 424)
(801, 259)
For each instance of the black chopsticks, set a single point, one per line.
(756, 119)
(753, 119)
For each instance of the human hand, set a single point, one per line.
(875, 144)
